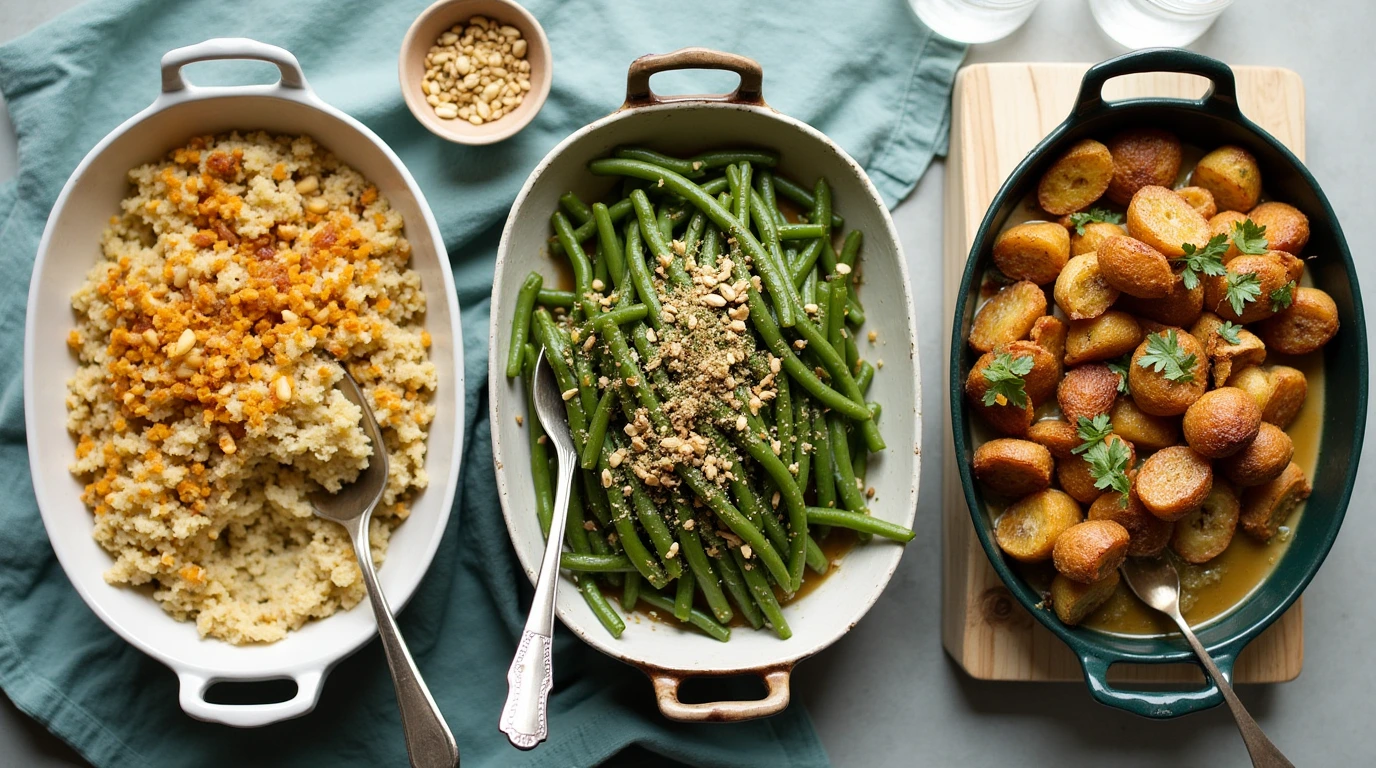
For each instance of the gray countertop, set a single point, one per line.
(887, 694)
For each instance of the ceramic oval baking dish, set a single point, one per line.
(69, 248)
(1213, 120)
(684, 125)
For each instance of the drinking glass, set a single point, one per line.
(1148, 23)
(973, 21)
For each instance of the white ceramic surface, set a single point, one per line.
(71, 245)
(681, 127)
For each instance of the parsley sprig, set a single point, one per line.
(1283, 297)
(1006, 383)
(1092, 432)
(1120, 367)
(1108, 465)
(1250, 238)
(1081, 218)
(1165, 356)
(1242, 289)
(1208, 260)
(1229, 332)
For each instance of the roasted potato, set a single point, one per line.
(1262, 460)
(1180, 308)
(1147, 533)
(1057, 435)
(1049, 333)
(1232, 175)
(1075, 478)
(1265, 508)
(1087, 552)
(1073, 602)
(1096, 232)
(1156, 394)
(1173, 481)
(1287, 228)
(1162, 219)
(1027, 530)
(1310, 322)
(1200, 199)
(1112, 334)
(1203, 534)
(1007, 418)
(1012, 467)
(1034, 251)
(1008, 316)
(1040, 383)
(1081, 290)
(1294, 265)
(1279, 389)
(1088, 391)
(1143, 430)
(1271, 275)
(1076, 179)
(1225, 355)
(1222, 224)
(1222, 422)
(1142, 157)
(1135, 268)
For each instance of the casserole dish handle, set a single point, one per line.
(224, 48)
(1156, 704)
(667, 682)
(638, 93)
(193, 686)
(1220, 99)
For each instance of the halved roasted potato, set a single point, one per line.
(1265, 508)
(1057, 435)
(1232, 175)
(1034, 251)
(1147, 432)
(1112, 334)
(1200, 199)
(1180, 308)
(1008, 418)
(1096, 232)
(1008, 316)
(1087, 390)
(1204, 533)
(1153, 390)
(1173, 481)
(1268, 276)
(1014, 468)
(1262, 460)
(1049, 333)
(1076, 179)
(1142, 157)
(1225, 355)
(1162, 219)
(1135, 268)
(1287, 228)
(1147, 533)
(1027, 530)
(1087, 552)
(1310, 322)
(1222, 422)
(1279, 389)
(1081, 290)
(1073, 601)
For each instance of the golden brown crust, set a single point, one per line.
(1074, 476)
(1287, 228)
(1040, 383)
(1076, 179)
(1200, 199)
(1147, 533)
(1057, 435)
(1008, 316)
(1082, 291)
(1142, 157)
(1159, 396)
(1310, 322)
(1180, 308)
(1028, 529)
(1087, 552)
(1162, 219)
(1049, 333)
(1014, 468)
(1143, 430)
(1226, 356)
(1222, 422)
(1110, 335)
(1222, 224)
(1073, 602)
(1135, 268)
(1007, 418)
(1232, 175)
(1034, 251)
(1204, 533)
(1096, 232)
(1265, 508)
(1174, 481)
(1271, 276)
(1262, 460)
(1289, 388)
(1087, 390)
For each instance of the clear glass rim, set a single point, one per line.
(1193, 7)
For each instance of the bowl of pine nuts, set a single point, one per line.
(475, 71)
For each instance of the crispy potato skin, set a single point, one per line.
(1112, 334)
(1233, 177)
(1162, 219)
(1279, 389)
(1008, 316)
(1089, 551)
(1027, 530)
(1294, 265)
(1200, 199)
(1142, 157)
(1180, 308)
(1174, 481)
(1135, 268)
(1034, 251)
(1076, 179)
(1265, 508)
(1159, 396)
(1081, 290)
(1007, 418)
(1147, 533)
(1049, 333)
(1040, 383)
(1287, 228)
(1073, 602)
(1096, 232)
(1262, 460)
(1310, 322)
(1087, 390)
(1057, 435)
(1226, 356)
(1148, 432)
(1203, 534)
(1222, 422)
(1222, 224)
(1012, 467)
(1271, 274)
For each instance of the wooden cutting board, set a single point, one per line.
(1000, 111)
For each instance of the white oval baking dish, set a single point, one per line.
(682, 125)
(69, 248)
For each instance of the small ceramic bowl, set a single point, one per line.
(438, 19)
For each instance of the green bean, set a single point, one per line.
(582, 268)
(747, 500)
(520, 324)
(783, 421)
(692, 237)
(574, 532)
(622, 315)
(597, 429)
(801, 231)
(715, 186)
(690, 545)
(835, 365)
(809, 289)
(847, 489)
(732, 579)
(596, 499)
(816, 558)
(850, 253)
(539, 454)
(627, 535)
(683, 595)
(630, 594)
(551, 298)
(587, 383)
(738, 179)
(681, 167)
(852, 352)
(801, 269)
(665, 224)
(696, 618)
(640, 276)
(655, 527)
(801, 197)
(654, 237)
(865, 377)
(836, 319)
(580, 543)
(764, 596)
(855, 521)
(618, 211)
(578, 210)
(802, 434)
(588, 563)
(823, 476)
(609, 245)
(601, 608)
(711, 246)
(766, 188)
(723, 158)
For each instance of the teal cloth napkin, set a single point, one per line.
(872, 77)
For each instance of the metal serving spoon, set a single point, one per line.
(428, 739)
(525, 720)
(1156, 581)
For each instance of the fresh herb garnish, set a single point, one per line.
(1120, 367)
(1081, 218)
(1208, 260)
(1283, 296)
(1108, 465)
(1166, 357)
(1005, 377)
(1229, 332)
(1250, 238)
(1242, 289)
(1092, 432)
